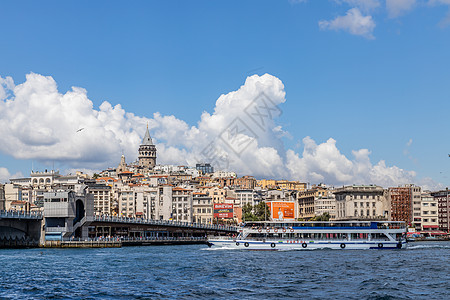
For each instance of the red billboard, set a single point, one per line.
(223, 211)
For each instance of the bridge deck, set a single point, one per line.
(9, 214)
(137, 221)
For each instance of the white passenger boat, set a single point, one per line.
(283, 235)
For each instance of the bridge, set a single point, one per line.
(20, 229)
(137, 228)
(32, 229)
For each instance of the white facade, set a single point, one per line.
(325, 205)
(361, 202)
(181, 204)
(429, 213)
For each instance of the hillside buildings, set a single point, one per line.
(200, 194)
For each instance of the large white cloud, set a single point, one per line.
(353, 22)
(241, 134)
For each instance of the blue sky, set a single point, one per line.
(385, 88)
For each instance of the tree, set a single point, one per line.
(323, 217)
(95, 176)
(258, 212)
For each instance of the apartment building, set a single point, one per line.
(443, 199)
(361, 202)
(202, 208)
(429, 213)
(181, 204)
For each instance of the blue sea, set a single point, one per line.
(195, 271)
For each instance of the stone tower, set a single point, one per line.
(122, 166)
(147, 153)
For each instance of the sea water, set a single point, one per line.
(195, 271)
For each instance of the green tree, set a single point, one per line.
(322, 217)
(259, 212)
(95, 176)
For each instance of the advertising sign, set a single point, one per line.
(282, 210)
(223, 211)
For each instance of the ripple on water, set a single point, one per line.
(187, 272)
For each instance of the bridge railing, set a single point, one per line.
(128, 220)
(137, 239)
(13, 214)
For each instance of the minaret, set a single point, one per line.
(147, 153)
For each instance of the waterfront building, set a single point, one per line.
(443, 199)
(307, 202)
(181, 204)
(202, 208)
(402, 204)
(429, 214)
(33, 188)
(68, 213)
(13, 193)
(361, 202)
(102, 198)
(325, 204)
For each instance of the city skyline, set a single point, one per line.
(362, 104)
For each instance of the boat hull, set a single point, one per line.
(305, 245)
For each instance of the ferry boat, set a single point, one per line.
(283, 235)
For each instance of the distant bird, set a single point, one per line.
(83, 129)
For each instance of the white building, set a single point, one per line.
(361, 202)
(429, 213)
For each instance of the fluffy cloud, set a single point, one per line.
(38, 122)
(396, 8)
(325, 163)
(364, 5)
(241, 134)
(353, 22)
(5, 175)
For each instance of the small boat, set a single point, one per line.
(285, 235)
